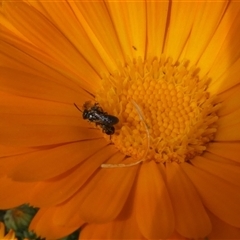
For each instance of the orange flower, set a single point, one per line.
(168, 71)
(9, 236)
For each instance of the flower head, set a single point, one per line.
(154, 151)
(18, 219)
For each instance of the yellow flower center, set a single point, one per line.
(165, 112)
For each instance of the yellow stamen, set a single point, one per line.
(147, 147)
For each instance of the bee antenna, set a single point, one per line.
(121, 165)
(77, 107)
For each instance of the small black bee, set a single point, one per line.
(94, 113)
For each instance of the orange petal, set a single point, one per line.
(45, 119)
(219, 196)
(228, 133)
(44, 35)
(157, 38)
(129, 20)
(220, 84)
(44, 226)
(37, 64)
(153, 205)
(61, 188)
(107, 48)
(177, 236)
(27, 111)
(228, 172)
(222, 230)
(49, 123)
(10, 235)
(230, 101)
(66, 210)
(97, 206)
(2, 229)
(112, 230)
(75, 221)
(34, 86)
(42, 135)
(178, 26)
(72, 26)
(123, 227)
(6, 26)
(46, 164)
(13, 193)
(6, 151)
(192, 220)
(218, 159)
(218, 46)
(228, 120)
(225, 149)
(227, 59)
(203, 27)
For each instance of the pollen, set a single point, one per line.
(165, 112)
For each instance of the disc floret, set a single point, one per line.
(179, 113)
